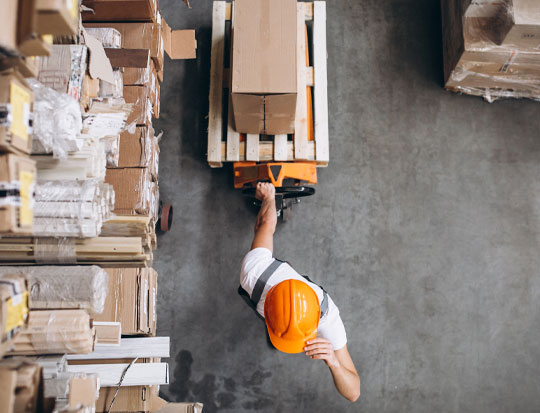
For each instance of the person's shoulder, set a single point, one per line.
(254, 264)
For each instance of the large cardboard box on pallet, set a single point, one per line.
(136, 148)
(17, 177)
(141, 98)
(16, 100)
(264, 66)
(133, 191)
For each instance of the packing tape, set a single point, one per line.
(55, 251)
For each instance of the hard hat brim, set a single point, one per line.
(288, 346)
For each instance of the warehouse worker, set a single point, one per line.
(299, 315)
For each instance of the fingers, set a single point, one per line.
(318, 350)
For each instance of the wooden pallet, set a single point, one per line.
(228, 146)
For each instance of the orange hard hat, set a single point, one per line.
(292, 312)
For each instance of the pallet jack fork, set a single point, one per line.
(289, 178)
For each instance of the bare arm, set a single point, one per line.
(340, 364)
(267, 218)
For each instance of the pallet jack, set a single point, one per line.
(291, 179)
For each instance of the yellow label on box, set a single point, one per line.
(26, 214)
(20, 107)
(73, 7)
(17, 311)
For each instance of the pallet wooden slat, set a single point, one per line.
(280, 147)
(300, 124)
(233, 137)
(215, 124)
(320, 82)
(267, 149)
(252, 147)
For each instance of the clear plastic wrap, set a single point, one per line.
(112, 90)
(133, 190)
(64, 287)
(492, 48)
(57, 122)
(137, 76)
(154, 166)
(56, 332)
(108, 36)
(106, 118)
(72, 208)
(112, 150)
(495, 25)
(60, 250)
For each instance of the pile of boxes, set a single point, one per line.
(492, 48)
(78, 175)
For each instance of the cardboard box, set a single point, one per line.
(14, 304)
(57, 17)
(16, 100)
(26, 66)
(8, 28)
(142, 109)
(131, 300)
(264, 66)
(524, 28)
(29, 41)
(129, 399)
(121, 10)
(139, 36)
(64, 69)
(178, 44)
(17, 176)
(83, 391)
(22, 386)
(132, 190)
(109, 37)
(136, 148)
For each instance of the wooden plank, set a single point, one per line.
(142, 347)
(215, 126)
(266, 151)
(228, 11)
(321, 82)
(233, 137)
(308, 10)
(300, 124)
(280, 147)
(139, 374)
(252, 147)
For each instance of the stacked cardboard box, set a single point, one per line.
(140, 58)
(13, 309)
(22, 386)
(491, 48)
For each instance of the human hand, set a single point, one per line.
(265, 191)
(321, 349)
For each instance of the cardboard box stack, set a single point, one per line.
(491, 48)
(79, 173)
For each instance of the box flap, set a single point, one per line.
(181, 44)
(99, 66)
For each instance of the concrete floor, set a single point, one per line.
(425, 230)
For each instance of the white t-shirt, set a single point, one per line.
(257, 260)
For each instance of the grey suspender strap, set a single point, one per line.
(261, 282)
(263, 279)
(324, 304)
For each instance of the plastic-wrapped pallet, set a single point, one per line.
(57, 122)
(72, 208)
(64, 287)
(56, 332)
(491, 48)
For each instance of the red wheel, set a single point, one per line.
(166, 217)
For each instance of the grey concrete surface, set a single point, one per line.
(425, 230)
